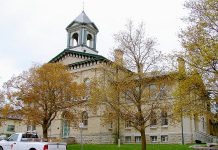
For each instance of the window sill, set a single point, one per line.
(164, 126)
(153, 127)
(85, 128)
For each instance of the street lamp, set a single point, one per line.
(81, 126)
(183, 142)
(182, 129)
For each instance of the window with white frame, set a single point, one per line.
(153, 139)
(128, 139)
(164, 138)
(138, 139)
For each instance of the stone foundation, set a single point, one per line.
(69, 140)
(96, 139)
(173, 138)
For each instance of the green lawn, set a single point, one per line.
(130, 147)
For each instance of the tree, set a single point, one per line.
(200, 40)
(127, 94)
(2, 108)
(191, 96)
(40, 93)
(1, 99)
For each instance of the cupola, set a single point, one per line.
(82, 35)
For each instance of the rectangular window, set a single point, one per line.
(11, 128)
(127, 96)
(164, 138)
(31, 127)
(153, 139)
(152, 91)
(164, 119)
(128, 139)
(127, 124)
(110, 125)
(138, 139)
(153, 120)
(163, 92)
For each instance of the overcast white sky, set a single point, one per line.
(33, 31)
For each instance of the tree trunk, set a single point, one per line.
(45, 132)
(143, 139)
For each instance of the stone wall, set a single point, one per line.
(174, 138)
(96, 139)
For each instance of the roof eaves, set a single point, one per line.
(67, 51)
(88, 61)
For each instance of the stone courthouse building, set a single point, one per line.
(82, 57)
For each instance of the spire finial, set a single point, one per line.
(83, 5)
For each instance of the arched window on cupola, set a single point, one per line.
(75, 38)
(89, 41)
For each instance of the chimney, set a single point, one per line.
(118, 56)
(141, 67)
(181, 65)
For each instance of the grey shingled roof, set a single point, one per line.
(83, 18)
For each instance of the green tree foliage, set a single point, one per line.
(200, 40)
(40, 93)
(191, 96)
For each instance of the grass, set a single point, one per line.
(129, 147)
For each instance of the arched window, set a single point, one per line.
(89, 40)
(85, 118)
(65, 125)
(75, 38)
